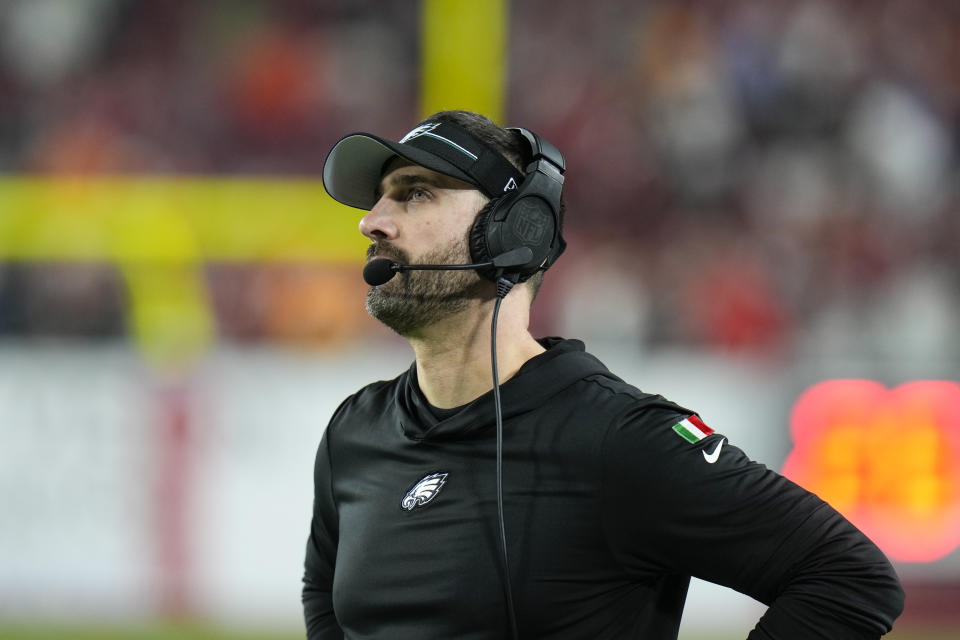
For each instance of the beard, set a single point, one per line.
(413, 300)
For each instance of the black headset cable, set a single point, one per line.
(503, 288)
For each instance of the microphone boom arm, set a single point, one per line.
(380, 270)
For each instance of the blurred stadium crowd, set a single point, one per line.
(754, 177)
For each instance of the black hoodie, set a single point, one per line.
(608, 512)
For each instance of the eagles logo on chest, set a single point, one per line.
(424, 491)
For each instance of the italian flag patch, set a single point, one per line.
(692, 429)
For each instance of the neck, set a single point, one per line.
(453, 355)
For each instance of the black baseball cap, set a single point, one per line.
(355, 165)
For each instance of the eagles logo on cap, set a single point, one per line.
(419, 131)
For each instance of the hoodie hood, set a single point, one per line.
(562, 364)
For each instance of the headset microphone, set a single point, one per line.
(380, 270)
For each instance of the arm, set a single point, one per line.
(736, 523)
(321, 554)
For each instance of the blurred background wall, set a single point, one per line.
(763, 219)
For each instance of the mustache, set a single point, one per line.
(381, 249)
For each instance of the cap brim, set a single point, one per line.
(354, 167)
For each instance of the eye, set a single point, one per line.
(416, 194)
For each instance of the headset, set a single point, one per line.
(517, 233)
(527, 215)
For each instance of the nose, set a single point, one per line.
(379, 223)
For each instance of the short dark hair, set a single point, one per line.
(509, 144)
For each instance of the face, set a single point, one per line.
(423, 217)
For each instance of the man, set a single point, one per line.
(611, 498)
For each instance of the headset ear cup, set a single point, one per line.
(479, 250)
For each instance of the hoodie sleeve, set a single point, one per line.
(321, 554)
(703, 508)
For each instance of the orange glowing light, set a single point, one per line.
(888, 459)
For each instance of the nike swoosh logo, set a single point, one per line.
(713, 457)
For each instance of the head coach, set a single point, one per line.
(511, 487)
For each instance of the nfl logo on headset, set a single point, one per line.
(531, 221)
